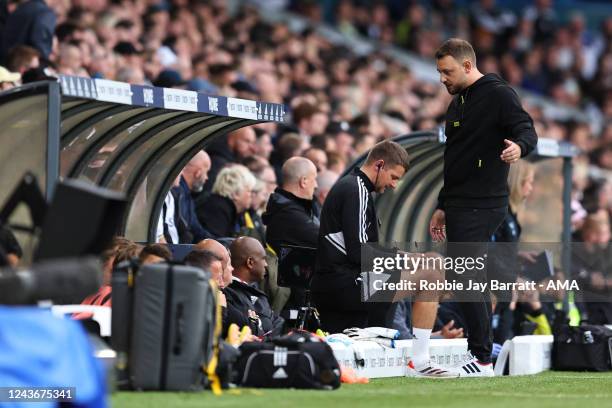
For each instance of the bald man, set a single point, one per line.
(222, 253)
(193, 177)
(247, 305)
(291, 215)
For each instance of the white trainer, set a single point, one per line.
(474, 368)
(431, 370)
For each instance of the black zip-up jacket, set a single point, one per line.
(477, 122)
(348, 219)
(240, 299)
(291, 220)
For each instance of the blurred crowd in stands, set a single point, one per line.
(341, 103)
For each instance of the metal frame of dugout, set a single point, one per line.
(406, 211)
(130, 138)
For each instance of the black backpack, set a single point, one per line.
(296, 360)
(582, 348)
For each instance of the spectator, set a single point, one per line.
(289, 145)
(231, 195)
(250, 220)
(309, 120)
(291, 216)
(520, 186)
(120, 250)
(193, 177)
(318, 157)
(208, 262)
(246, 305)
(167, 231)
(336, 162)
(237, 146)
(263, 145)
(221, 252)
(22, 58)
(268, 177)
(33, 24)
(592, 267)
(325, 181)
(154, 253)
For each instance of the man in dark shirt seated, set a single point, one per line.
(292, 217)
(193, 177)
(247, 305)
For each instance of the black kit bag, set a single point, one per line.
(582, 348)
(296, 360)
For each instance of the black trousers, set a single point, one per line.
(342, 309)
(470, 225)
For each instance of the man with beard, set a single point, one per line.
(193, 178)
(486, 131)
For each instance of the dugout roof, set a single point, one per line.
(129, 138)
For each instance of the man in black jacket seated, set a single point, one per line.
(292, 216)
(247, 305)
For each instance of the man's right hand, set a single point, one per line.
(437, 226)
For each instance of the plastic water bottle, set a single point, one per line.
(588, 337)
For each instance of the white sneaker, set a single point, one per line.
(430, 370)
(474, 368)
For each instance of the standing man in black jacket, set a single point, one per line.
(486, 131)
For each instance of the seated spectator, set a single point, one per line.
(208, 262)
(193, 177)
(592, 267)
(291, 216)
(250, 220)
(32, 23)
(247, 305)
(318, 157)
(22, 58)
(336, 163)
(288, 146)
(310, 120)
(167, 231)
(221, 252)
(231, 195)
(325, 181)
(121, 249)
(154, 253)
(233, 148)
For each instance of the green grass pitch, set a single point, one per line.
(549, 389)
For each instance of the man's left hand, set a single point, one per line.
(512, 152)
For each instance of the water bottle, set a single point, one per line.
(588, 337)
